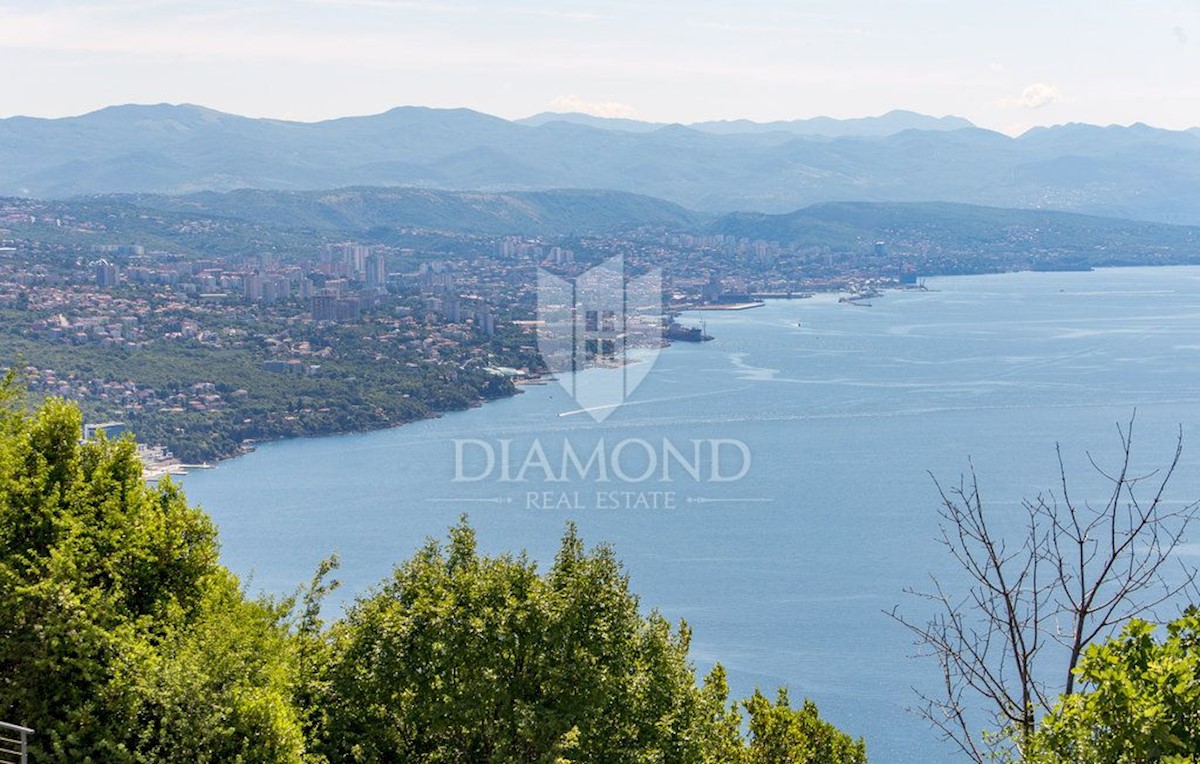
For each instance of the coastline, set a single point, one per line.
(248, 447)
(832, 297)
(151, 474)
(533, 380)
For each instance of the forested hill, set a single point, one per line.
(301, 221)
(357, 210)
(947, 227)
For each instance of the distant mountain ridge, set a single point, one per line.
(895, 121)
(1131, 172)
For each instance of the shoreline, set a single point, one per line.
(544, 379)
(248, 447)
(537, 380)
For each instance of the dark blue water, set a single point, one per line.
(783, 574)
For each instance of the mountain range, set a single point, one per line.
(887, 124)
(1135, 172)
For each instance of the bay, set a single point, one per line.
(785, 574)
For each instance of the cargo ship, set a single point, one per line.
(676, 331)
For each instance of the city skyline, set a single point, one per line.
(1004, 68)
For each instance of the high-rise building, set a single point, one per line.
(487, 321)
(436, 278)
(376, 265)
(328, 306)
(252, 287)
(324, 306)
(106, 273)
(349, 309)
(354, 257)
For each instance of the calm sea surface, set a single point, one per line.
(783, 574)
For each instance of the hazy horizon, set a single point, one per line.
(564, 112)
(1005, 68)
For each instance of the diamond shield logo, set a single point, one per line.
(600, 333)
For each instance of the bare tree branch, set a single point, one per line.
(1074, 575)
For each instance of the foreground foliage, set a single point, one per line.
(122, 639)
(1141, 702)
(461, 657)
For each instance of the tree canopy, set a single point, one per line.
(1141, 701)
(121, 637)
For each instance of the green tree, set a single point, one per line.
(121, 637)
(780, 734)
(218, 689)
(1140, 703)
(462, 657)
(720, 723)
(467, 658)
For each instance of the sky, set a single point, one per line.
(1006, 66)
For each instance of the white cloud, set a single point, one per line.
(1036, 96)
(1181, 35)
(573, 103)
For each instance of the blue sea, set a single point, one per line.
(844, 416)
